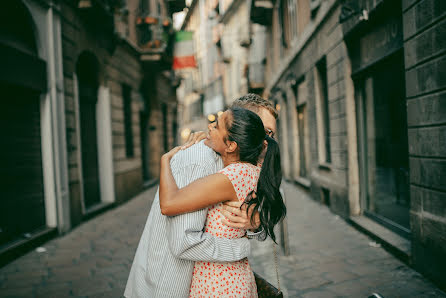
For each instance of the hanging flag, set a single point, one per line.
(183, 56)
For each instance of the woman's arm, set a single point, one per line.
(197, 195)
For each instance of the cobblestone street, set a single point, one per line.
(328, 258)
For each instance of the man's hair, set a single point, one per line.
(254, 103)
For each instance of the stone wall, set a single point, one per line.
(118, 64)
(425, 62)
(326, 43)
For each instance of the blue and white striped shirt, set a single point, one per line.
(164, 260)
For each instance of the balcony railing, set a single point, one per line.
(153, 31)
(99, 15)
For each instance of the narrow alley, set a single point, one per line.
(328, 258)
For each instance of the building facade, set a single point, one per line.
(359, 87)
(34, 176)
(93, 107)
(200, 93)
(230, 51)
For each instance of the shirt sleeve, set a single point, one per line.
(186, 237)
(259, 236)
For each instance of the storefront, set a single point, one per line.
(376, 51)
(22, 81)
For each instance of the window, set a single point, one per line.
(175, 126)
(383, 144)
(288, 21)
(144, 7)
(302, 134)
(322, 112)
(301, 119)
(196, 109)
(304, 15)
(128, 131)
(165, 132)
(283, 22)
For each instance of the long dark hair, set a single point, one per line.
(246, 129)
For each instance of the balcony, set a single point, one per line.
(153, 32)
(99, 16)
(97, 13)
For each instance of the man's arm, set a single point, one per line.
(259, 235)
(185, 232)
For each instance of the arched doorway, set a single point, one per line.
(22, 80)
(87, 72)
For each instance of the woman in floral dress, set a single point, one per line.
(238, 136)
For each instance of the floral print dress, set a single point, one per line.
(229, 279)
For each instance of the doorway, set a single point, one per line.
(22, 205)
(87, 74)
(383, 145)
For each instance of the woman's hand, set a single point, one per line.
(168, 156)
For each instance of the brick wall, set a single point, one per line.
(425, 63)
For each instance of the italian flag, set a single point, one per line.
(183, 56)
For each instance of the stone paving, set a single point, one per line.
(93, 260)
(328, 258)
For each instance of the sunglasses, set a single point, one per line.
(269, 132)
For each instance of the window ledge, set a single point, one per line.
(392, 242)
(98, 209)
(325, 166)
(304, 182)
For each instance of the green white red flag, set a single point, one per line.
(183, 56)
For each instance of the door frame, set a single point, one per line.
(104, 145)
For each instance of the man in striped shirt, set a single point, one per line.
(169, 246)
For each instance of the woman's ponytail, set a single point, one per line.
(269, 201)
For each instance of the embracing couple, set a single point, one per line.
(212, 198)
